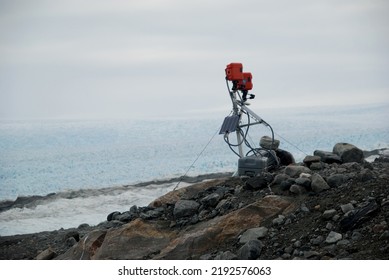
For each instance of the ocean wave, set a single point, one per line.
(69, 209)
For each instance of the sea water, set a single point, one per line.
(85, 164)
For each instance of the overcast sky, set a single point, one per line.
(159, 58)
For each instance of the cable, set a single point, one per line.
(198, 156)
(290, 143)
(255, 151)
(230, 145)
(245, 135)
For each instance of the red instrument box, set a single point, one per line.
(234, 72)
(246, 83)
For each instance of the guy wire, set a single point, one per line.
(198, 156)
(290, 143)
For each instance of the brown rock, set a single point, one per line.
(188, 192)
(136, 240)
(204, 236)
(47, 254)
(86, 248)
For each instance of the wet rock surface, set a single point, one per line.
(309, 210)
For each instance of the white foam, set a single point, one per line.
(68, 213)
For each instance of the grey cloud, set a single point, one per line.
(96, 54)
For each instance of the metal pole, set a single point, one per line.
(235, 106)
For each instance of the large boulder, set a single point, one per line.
(348, 152)
(142, 239)
(285, 157)
(136, 240)
(202, 237)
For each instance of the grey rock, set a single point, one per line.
(352, 166)
(308, 160)
(311, 254)
(151, 214)
(127, 216)
(285, 157)
(296, 170)
(329, 226)
(253, 234)
(185, 208)
(228, 255)
(83, 226)
(343, 243)
(206, 257)
(297, 189)
(112, 216)
(327, 157)
(336, 180)
(336, 217)
(348, 152)
(328, 214)
(289, 250)
(70, 241)
(211, 200)
(258, 182)
(356, 235)
(110, 224)
(285, 185)
(269, 143)
(305, 182)
(134, 209)
(317, 166)
(285, 256)
(278, 179)
(305, 175)
(72, 234)
(279, 220)
(347, 207)
(318, 184)
(366, 175)
(317, 240)
(297, 244)
(304, 208)
(333, 237)
(251, 250)
(224, 205)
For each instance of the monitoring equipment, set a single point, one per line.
(241, 119)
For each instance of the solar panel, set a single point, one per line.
(230, 124)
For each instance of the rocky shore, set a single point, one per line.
(333, 205)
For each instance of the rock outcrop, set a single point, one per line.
(160, 239)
